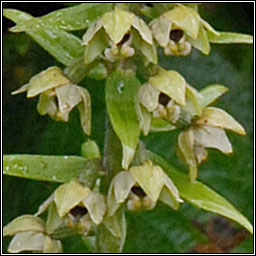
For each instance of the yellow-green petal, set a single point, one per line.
(52, 246)
(68, 196)
(150, 178)
(24, 223)
(45, 80)
(161, 28)
(112, 224)
(47, 105)
(212, 137)
(186, 19)
(170, 83)
(22, 89)
(91, 31)
(96, 206)
(53, 221)
(90, 150)
(219, 118)
(44, 206)
(27, 241)
(207, 26)
(116, 24)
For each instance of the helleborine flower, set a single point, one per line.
(51, 84)
(30, 234)
(142, 186)
(177, 30)
(207, 131)
(118, 33)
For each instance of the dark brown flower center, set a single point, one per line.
(176, 35)
(124, 40)
(163, 99)
(78, 211)
(138, 191)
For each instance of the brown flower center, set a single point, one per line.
(163, 99)
(138, 191)
(176, 35)
(78, 211)
(124, 40)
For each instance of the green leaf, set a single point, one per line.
(74, 18)
(65, 47)
(24, 223)
(211, 93)
(48, 168)
(219, 118)
(69, 195)
(90, 150)
(200, 195)
(27, 241)
(171, 83)
(121, 88)
(106, 241)
(159, 125)
(230, 38)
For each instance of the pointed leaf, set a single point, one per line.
(170, 83)
(186, 19)
(96, 206)
(22, 89)
(150, 178)
(52, 246)
(117, 23)
(106, 241)
(45, 205)
(159, 125)
(161, 28)
(69, 195)
(24, 223)
(212, 93)
(212, 137)
(50, 78)
(122, 185)
(200, 195)
(121, 88)
(229, 38)
(112, 225)
(48, 168)
(85, 110)
(201, 43)
(207, 26)
(90, 150)
(220, 118)
(143, 29)
(91, 31)
(27, 241)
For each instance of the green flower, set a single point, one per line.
(118, 34)
(177, 30)
(141, 186)
(58, 96)
(30, 234)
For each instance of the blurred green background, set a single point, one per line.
(161, 230)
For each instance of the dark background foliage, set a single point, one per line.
(161, 230)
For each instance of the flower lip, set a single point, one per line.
(78, 211)
(137, 190)
(176, 35)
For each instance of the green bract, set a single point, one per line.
(51, 84)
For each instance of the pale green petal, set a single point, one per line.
(90, 150)
(212, 137)
(116, 24)
(230, 38)
(207, 26)
(186, 147)
(170, 83)
(167, 198)
(159, 125)
(161, 28)
(22, 89)
(186, 19)
(122, 185)
(52, 246)
(44, 206)
(53, 221)
(112, 224)
(201, 43)
(91, 31)
(143, 29)
(47, 105)
(85, 110)
(27, 241)
(95, 47)
(172, 188)
(24, 223)
(96, 206)
(148, 97)
(201, 153)
(150, 178)
(68, 196)
(219, 118)
(45, 80)
(68, 97)
(111, 200)
(212, 93)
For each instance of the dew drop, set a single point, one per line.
(65, 157)
(120, 87)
